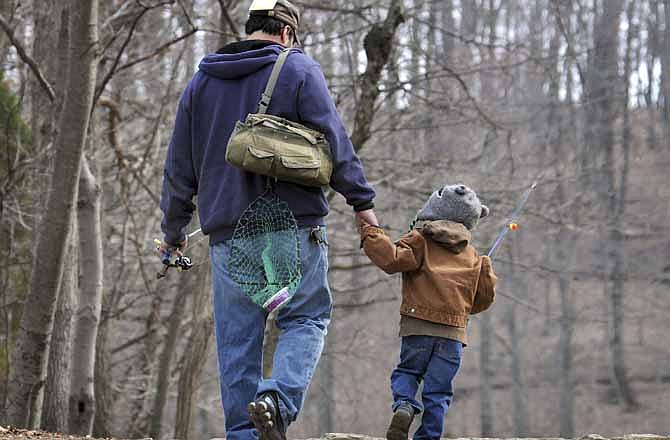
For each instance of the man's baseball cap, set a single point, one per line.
(282, 10)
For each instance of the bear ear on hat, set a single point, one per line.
(485, 211)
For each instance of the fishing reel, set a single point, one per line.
(181, 262)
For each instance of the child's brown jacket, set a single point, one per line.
(444, 279)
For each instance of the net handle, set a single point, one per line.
(270, 185)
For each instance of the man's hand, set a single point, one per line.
(366, 217)
(165, 249)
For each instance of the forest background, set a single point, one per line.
(493, 93)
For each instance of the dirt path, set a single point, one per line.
(20, 434)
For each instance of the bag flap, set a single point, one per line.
(300, 162)
(277, 123)
(258, 153)
(295, 130)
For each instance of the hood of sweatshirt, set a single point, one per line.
(239, 59)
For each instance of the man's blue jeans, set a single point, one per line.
(239, 325)
(435, 361)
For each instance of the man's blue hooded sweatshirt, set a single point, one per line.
(227, 87)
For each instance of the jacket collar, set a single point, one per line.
(244, 45)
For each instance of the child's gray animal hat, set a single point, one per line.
(456, 203)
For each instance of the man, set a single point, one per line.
(227, 87)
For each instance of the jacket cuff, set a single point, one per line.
(174, 240)
(364, 206)
(366, 230)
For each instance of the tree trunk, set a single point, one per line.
(103, 392)
(560, 253)
(665, 83)
(82, 400)
(378, 45)
(564, 245)
(448, 26)
(57, 388)
(165, 361)
(598, 165)
(617, 208)
(601, 95)
(226, 22)
(6, 8)
(567, 395)
(139, 418)
(485, 376)
(520, 424)
(49, 51)
(416, 40)
(51, 38)
(196, 355)
(650, 54)
(326, 404)
(32, 345)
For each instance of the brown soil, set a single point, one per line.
(19, 434)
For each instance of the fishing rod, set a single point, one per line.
(180, 262)
(511, 224)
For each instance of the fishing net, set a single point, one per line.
(265, 252)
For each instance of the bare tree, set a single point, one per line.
(57, 389)
(51, 38)
(31, 350)
(227, 26)
(665, 82)
(616, 206)
(602, 96)
(562, 252)
(378, 45)
(486, 414)
(174, 322)
(202, 324)
(82, 399)
(6, 10)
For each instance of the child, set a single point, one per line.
(444, 281)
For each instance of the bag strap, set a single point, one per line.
(272, 82)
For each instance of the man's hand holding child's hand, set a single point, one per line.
(366, 217)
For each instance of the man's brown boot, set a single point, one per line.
(265, 415)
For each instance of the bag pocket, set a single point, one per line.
(258, 161)
(299, 169)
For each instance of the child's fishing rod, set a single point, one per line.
(511, 224)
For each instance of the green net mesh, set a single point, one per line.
(265, 252)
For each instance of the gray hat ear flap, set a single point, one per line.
(485, 211)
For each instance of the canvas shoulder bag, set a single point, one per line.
(276, 147)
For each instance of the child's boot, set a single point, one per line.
(400, 423)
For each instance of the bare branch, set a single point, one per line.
(158, 51)
(229, 20)
(112, 70)
(556, 9)
(27, 59)
(378, 47)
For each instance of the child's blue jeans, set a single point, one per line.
(435, 361)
